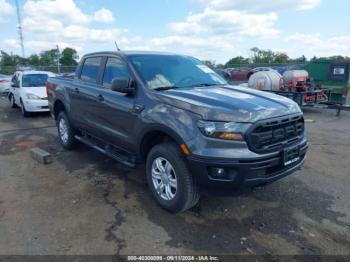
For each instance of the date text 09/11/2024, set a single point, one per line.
(173, 258)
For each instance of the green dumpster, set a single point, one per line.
(331, 76)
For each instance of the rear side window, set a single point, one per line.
(115, 67)
(90, 69)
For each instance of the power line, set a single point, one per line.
(20, 33)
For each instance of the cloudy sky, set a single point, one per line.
(208, 29)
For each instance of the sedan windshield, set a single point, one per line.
(162, 72)
(31, 80)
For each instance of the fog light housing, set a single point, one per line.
(222, 173)
(218, 172)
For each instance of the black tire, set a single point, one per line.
(68, 142)
(187, 193)
(25, 113)
(12, 101)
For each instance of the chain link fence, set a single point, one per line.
(9, 70)
(288, 66)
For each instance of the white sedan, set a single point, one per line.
(28, 91)
(5, 84)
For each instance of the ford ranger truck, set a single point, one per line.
(196, 133)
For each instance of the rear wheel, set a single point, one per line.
(169, 178)
(66, 132)
(12, 101)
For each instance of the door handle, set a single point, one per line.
(100, 98)
(76, 90)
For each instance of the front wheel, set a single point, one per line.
(25, 113)
(66, 132)
(169, 178)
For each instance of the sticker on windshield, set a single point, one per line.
(205, 69)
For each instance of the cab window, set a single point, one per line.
(90, 69)
(115, 67)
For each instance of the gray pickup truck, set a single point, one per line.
(196, 133)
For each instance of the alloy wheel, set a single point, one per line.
(164, 178)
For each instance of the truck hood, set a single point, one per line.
(40, 91)
(229, 103)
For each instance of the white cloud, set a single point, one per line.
(38, 46)
(42, 25)
(200, 47)
(50, 22)
(316, 45)
(262, 5)
(10, 43)
(227, 22)
(5, 9)
(216, 31)
(104, 16)
(65, 10)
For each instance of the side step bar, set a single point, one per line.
(108, 150)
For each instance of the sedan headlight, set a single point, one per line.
(223, 130)
(32, 97)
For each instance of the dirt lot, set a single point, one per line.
(85, 203)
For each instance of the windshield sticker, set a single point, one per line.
(205, 69)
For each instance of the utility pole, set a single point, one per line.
(20, 34)
(58, 60)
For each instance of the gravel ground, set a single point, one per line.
(85, 203)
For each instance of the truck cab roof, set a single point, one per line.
(129, 53)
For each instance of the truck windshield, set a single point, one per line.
(174, 71)
(30, 80)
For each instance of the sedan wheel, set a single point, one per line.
(12, 101)
(25, 113)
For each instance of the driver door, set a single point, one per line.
(116, 117)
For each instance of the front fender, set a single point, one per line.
(178, 123)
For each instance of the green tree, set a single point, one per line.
(49, 57)
(34, 60)
(209, 63)
(69, 57)
(301, 59)
(238, 60)
(7, 60)
(280, 58)
(262, 56)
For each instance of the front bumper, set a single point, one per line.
(37, 105)
(242, 173)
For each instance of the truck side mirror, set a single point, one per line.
(123, 85)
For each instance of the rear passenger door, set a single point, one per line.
(116, 120)
(84, 94)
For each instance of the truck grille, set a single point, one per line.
(275, 134)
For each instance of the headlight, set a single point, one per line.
(223, 130)
(32, 97)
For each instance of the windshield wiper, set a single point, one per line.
(162, 88)
(33, 85)
(205, 84)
